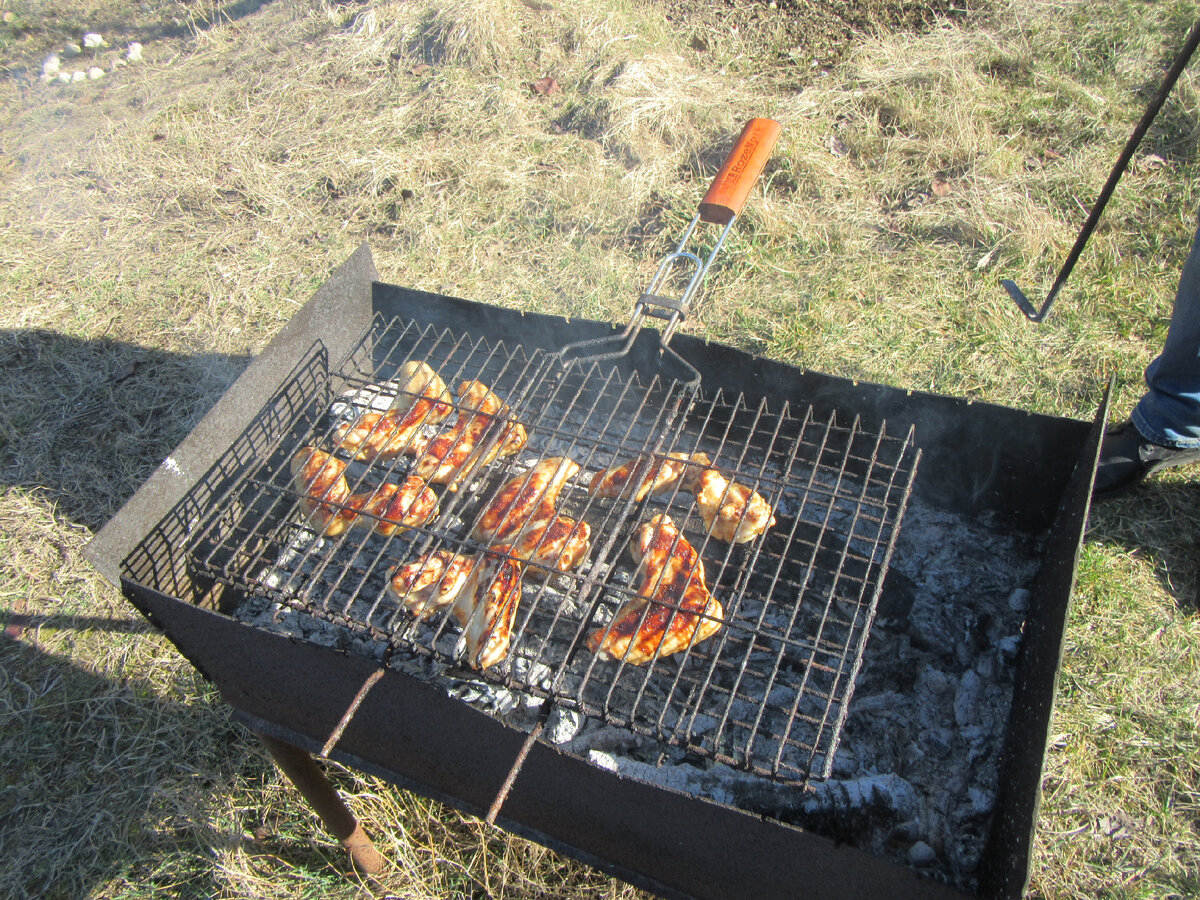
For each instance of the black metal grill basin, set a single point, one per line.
(1032, 474)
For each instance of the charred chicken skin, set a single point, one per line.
(431, 582)
(332, 509)
(451, 457)
(422, 399)
(526, 502)
(558, 546)
(324, 492)
(486, 607)
(673, 610)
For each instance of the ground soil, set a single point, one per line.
(814, 33)
(809, 33)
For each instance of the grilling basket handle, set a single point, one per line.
(721, 205)
(746, 161)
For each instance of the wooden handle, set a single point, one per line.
(731, 187)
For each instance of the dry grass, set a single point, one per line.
(163, 223)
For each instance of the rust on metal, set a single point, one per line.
(303, 771)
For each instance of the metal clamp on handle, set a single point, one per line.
(725, 198)
(654, 302)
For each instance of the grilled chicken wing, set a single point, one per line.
(431, 582)
(325, 493)
(649, 474)
(673, 610)
(526, 502)
(486, 607)
(646, 474)
(450, 458)
(332, 509)
(422, 399)
(418, 381)
(559, 546)
(731, 511)
(393, 508)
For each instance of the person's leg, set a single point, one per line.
(1164, 428)
(1169, 412)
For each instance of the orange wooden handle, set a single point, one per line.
(731, 187)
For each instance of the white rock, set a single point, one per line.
(51, 65)
(986, 666)
(79, 76)
(563, 725)
(69, 50)
(64, 77)
(134, 53)
(936, 681)
(982, 801)
(845, 763)
(95, 73)
(93, 41)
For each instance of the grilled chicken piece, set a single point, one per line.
(332, 509)
(375, 435)
(526, 502)
(486, 607)
(673, 610)
(450, 458)
(418, 381)
(393, 508)
(431, 582)
(325, 493)
(643, 475)
(732, 512)
(422, 399)
(559, 546)
(648, 474)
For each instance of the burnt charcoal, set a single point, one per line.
(968, 698)
(897, 598)
(921, 855)
(937, 743)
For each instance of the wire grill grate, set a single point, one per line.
(768, 692)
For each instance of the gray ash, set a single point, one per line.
(915, 774)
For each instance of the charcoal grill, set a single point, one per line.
(217, 536)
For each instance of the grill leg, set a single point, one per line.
(303, 771)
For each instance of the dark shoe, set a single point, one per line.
(1126, 458)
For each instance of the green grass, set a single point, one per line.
(163, 223)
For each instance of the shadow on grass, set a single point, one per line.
(1158, 521)
(84, 422)
(108, 786)
(107, 778)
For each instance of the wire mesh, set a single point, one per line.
(767, 691)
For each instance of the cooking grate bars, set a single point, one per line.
(767, 692)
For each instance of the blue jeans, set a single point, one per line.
(1169, 413)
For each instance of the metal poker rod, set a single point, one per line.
(1038, 315)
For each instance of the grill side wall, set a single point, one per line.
(413, 735)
